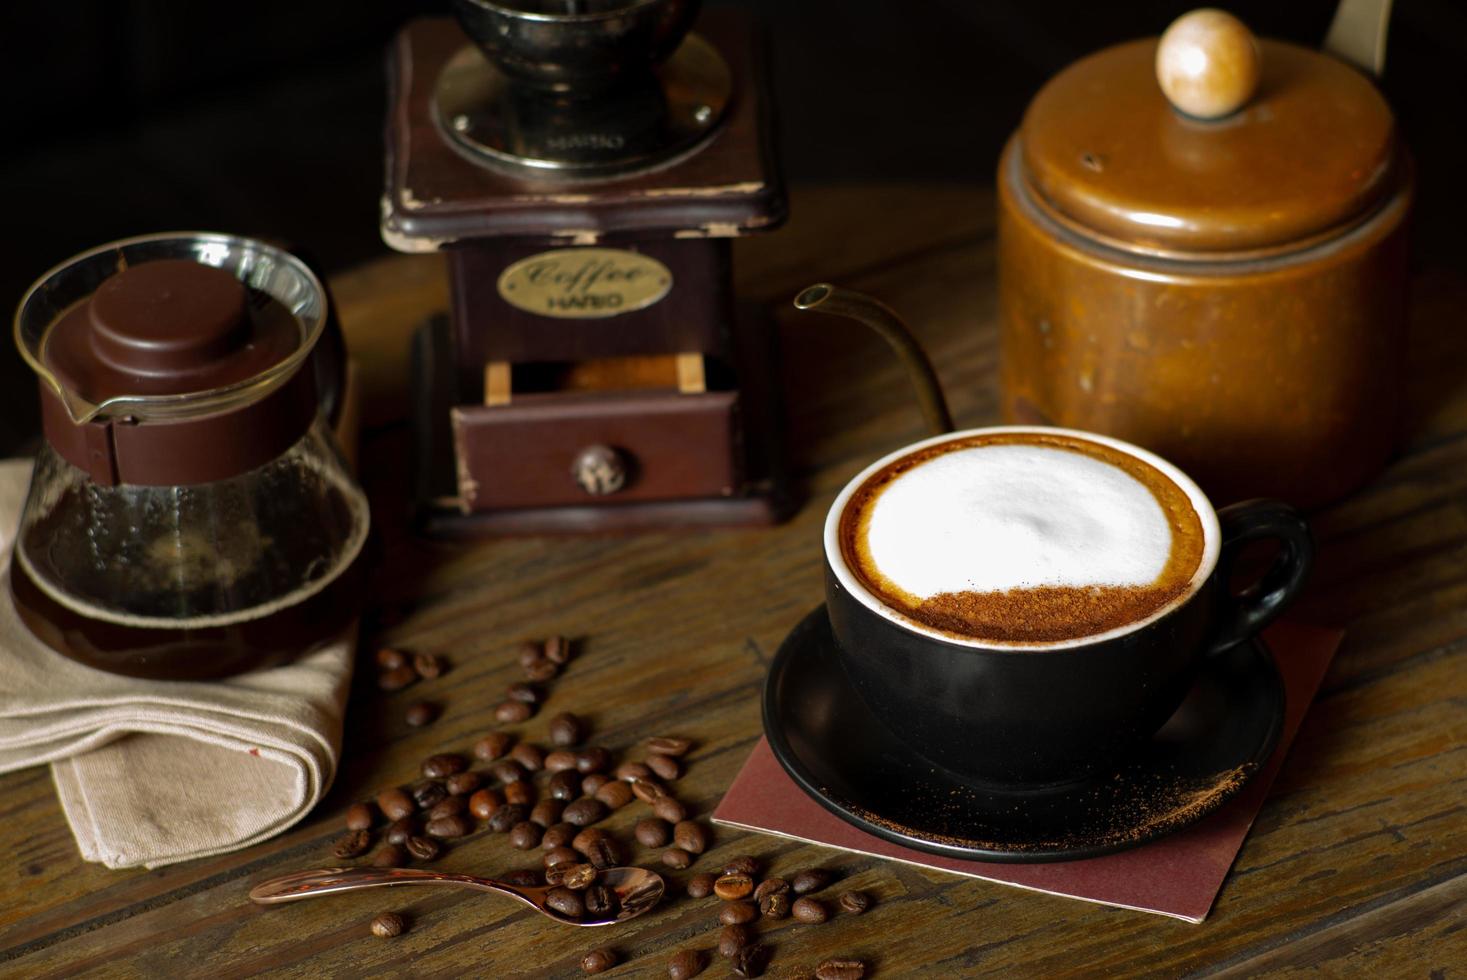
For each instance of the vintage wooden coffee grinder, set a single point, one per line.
(583, 164)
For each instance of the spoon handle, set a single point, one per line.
(327, 881)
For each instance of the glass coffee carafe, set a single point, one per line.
(189, 514)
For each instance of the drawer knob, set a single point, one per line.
(600, 470)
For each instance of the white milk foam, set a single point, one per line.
(1000, 517)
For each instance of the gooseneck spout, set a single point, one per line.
(825, 298)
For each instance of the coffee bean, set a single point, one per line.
(528, 756)
(462, 783)
(400, 830)
(585, 811)
(591, 785)
(352, 843)
(734, 913)
(667, 808)
(750, 961)
(561, 855)
(397, 678)
(615, 794)
(593, 758)
(421, 713)
(668, 745)
(774, 905)
(685, 964)
(632, 771)
(449, 806)
(665, 767)
(395, 804)
(389, 856)
(691, 836)
(840, 968)
(566, 902)
(541, 670)
(504, 819)
(743, 864)
(732, 887)
(521, 793)
(507, 771)
(448, 827)
(559, 835)
(810, 881)
(855, 902)
(513, 712)
(601, 902)
(429, 665)
(565, 785)
(390, 659)
(561, 760)
(528, 693)
(701, 886)
(572, 876)
(604, 853)
(360, 816)
(528, 651)
(566, 730)
(770, 886)
(387, 925)
(525, 835)
(423, 848)
(733, 938)
(444, 764)
(676, 857)
(428, 794)
(493, 746)
(524, 877)
(809, 910)
(598, 961)
(558, 650)
(484, 802)
(648, 790)
(546, 813)
(652, 832)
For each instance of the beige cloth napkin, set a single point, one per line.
(154, 772)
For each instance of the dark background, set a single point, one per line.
(121, 117)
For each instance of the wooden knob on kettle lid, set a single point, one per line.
(1208, 64)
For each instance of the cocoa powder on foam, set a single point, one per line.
(1044, 614)
(1041, 614)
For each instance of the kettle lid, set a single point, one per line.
(174, 359)
(1312, 150)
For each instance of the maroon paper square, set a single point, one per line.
(1179, 875)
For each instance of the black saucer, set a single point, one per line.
(831, 745)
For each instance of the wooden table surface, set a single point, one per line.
(1357, 864)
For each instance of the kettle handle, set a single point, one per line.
(825, 298)
(1358, 33)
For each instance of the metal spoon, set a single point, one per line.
(636, 888)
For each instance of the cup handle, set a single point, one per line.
(1259, 604)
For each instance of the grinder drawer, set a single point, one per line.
(546, 450)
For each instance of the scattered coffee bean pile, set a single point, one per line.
(582, 785)
(494, 789)
(747, 898)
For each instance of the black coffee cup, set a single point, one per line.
(1055, 712)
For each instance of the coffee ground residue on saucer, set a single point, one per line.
(1135, 813)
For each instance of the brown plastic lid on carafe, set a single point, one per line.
(175, 372)
(1311, 153)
